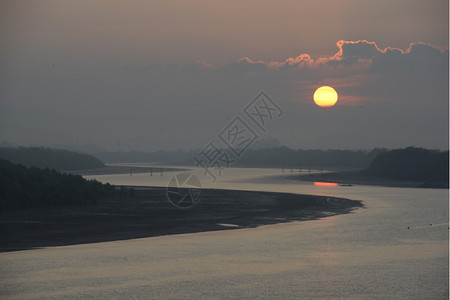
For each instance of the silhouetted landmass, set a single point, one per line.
(408, 167)
(411, 163)
(30, 187)
(50, 158)
(271, 157)
(149, 213)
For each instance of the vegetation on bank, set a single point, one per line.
(50, 158)
(26, 187)
(411, 163)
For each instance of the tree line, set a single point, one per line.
(50, 158)
(412, 163)
(28, 187)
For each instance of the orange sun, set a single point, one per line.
(325, 96)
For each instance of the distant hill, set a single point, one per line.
(165, 157)
(411, 163)
(23, 187)
(287, 158)
(50, 158)
(277, 157)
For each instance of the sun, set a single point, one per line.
(325, 96)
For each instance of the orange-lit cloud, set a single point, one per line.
(356, 69)
(360, 52)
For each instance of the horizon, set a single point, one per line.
(94, 149)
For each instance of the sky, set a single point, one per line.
(160, 75)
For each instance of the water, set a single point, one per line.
(370, 253)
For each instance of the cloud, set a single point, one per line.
(419, 58)
(387, 97)
(245, 64)
(361, 52)
(362, 69)
(358, 49)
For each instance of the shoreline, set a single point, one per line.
(112, 170)
(356, 178)
(150, 214)
(344, 178)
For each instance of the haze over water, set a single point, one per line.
(369, 253)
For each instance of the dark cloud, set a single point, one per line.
(419, 58)
(245, 65)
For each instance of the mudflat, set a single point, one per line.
(146, 212)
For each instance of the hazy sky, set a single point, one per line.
(152, 75)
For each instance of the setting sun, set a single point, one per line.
(325, 96)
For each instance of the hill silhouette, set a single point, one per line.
(50, 158)
(411, 163)
(27, 187)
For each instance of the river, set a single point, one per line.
(396, 247)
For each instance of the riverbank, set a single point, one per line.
(357, 177)
(131, 169)
(146, 212)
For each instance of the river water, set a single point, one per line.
(396, 247)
